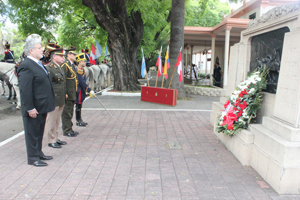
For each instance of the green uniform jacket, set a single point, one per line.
(58, 81)
(71, 79)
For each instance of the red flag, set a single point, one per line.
(159, 64)
(93, 53)
(179, 65)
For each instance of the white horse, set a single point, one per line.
(96, 77)
(89, 76)
(13, 79)
(105, 75)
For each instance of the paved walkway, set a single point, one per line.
(130, 159)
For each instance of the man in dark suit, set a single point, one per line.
(37, 99)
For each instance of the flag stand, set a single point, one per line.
(171, 78)
(147, 78)
(156, 80)
(162, 83)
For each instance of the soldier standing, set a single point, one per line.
(69, 70)
(82, 88)
(57, 78)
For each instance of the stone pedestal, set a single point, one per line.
(272, 146)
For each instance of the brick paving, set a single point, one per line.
(130, 159)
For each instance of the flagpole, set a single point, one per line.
(147, 77)
(159, 65)
(173, 74)
(162, 83)
(156, 80)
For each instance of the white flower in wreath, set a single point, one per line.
(251, 91)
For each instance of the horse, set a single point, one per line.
(96, 77)
(5, 78)
(13, 79)
(89, 76)
(105, 75)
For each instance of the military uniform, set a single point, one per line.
(57, 78)
(8, 54)
(87, 56)
(71, 86)
(82, 89)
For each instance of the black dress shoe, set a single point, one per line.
(81, 123)
(39, 163)
(71, 134)
(46, 157)
(61, 142)
(75, 132)
(54, 145)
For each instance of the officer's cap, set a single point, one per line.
(71, 50)
(80, 57)
(7, 44)
(59, 51)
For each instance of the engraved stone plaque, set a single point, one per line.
(288, 90)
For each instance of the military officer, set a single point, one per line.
(87, 56)
(58, 81)
(9, 55)
(69, 70)
(82, 88)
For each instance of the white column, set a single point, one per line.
(192, 47)
(186, 61)
(212, 60)
(205, 65)
(226, 55)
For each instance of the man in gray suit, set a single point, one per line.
(37, 99)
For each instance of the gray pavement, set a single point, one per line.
(130, 158)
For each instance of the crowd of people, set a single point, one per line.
(48, 95)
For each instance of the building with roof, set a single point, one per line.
(214, 42)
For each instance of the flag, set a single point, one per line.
(93, 56)
(143, 70)
(159, 64)
(179, 65)
(106, 51)
(98, 50)
(167, 64)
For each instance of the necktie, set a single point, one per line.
(43, 67)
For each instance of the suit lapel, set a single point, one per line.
(37, 66)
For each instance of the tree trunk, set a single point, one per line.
(124, 35)
(176, 42)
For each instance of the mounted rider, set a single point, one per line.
(9, 55)
(87, 56)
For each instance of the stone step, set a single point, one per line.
(281, 150)
(217, 107)
(282, 129)
(215, 112)
(223, 100)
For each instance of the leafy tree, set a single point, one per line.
(206, 13)
(176, 42)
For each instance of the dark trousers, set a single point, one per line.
(34, 131)
(66, 116)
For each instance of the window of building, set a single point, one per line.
(252, 16)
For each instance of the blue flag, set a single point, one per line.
(98, 49)
(143, 70)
